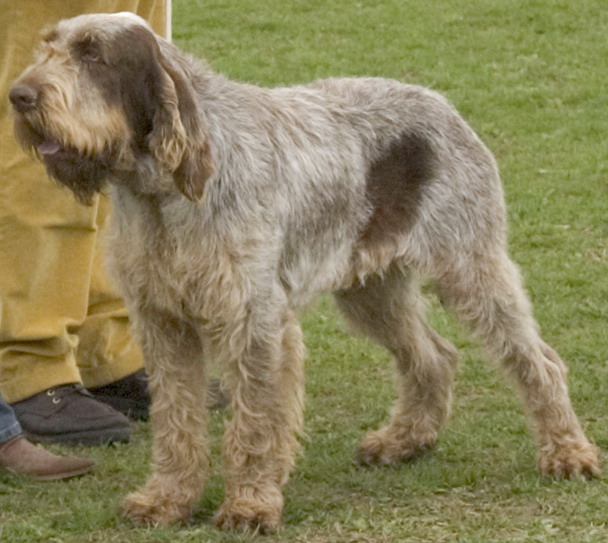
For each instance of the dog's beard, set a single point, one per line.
(84, 175)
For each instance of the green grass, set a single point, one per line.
(530, 78)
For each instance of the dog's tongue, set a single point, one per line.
(49, 147)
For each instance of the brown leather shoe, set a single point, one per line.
(70, 414)
(24, 458)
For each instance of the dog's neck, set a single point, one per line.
(145, 179)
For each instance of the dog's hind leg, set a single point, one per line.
(261, 443)
(180, 463)
(390, 310)
(485, 291)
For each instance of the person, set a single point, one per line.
(18, 455)
(63, 327)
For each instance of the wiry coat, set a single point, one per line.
(234, 206)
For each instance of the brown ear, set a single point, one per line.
(179, 138)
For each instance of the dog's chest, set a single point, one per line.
(168, 276)
(159, 261)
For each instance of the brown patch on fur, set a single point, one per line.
(157, 99)
(128, 73)
(196, 164)
(394, 187)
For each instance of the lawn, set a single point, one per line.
(530, 77)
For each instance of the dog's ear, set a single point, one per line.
(179, 139)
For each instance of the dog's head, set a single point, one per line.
(104, 93)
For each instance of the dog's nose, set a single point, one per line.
(23, 97)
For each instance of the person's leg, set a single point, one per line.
(9, 425)
(109, 359)
(19, 456)
(48, 243)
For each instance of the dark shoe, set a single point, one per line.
(217, 397)
(24, 458)
(70, 414)
(129, 395)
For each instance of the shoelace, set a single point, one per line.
(58, 393)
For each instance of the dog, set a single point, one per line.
(236, 205)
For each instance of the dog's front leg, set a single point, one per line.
(180, 463)
(260, 443)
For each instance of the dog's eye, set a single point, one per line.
(88, 49)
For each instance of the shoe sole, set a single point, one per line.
(62, 475)
(87, 439)
(133, 410)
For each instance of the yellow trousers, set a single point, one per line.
(61, 321)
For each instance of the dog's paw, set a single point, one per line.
(153, 510)
(573, 461)
(245, 515)
(381, 448)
